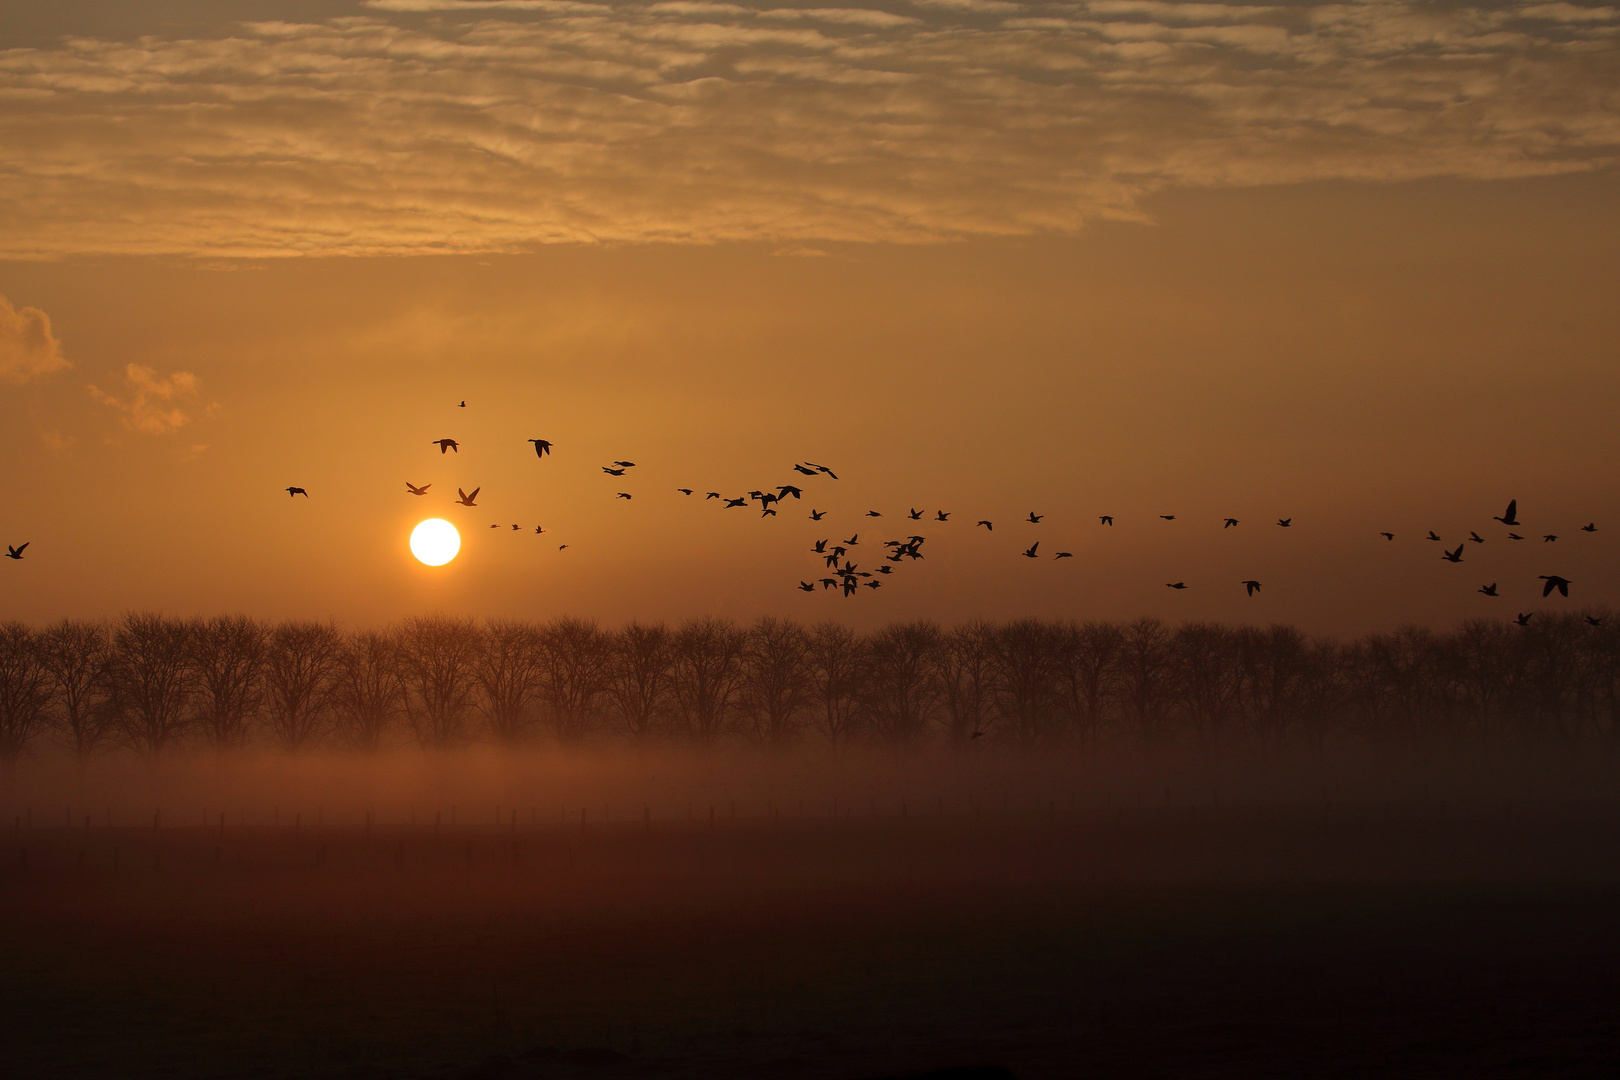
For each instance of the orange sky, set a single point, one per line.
(1261, 263)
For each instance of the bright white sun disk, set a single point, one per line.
(435, 541)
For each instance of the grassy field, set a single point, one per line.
(1286, 940)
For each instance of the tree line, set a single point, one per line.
(151, 683)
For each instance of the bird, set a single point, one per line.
(817, 515)
(1590, 526)
(1554, 582)
(1034, 518)
(1252, 586)
(538, 530)
(1176, 585)
(1475, 537)
(1432, 536)
(1285, 522)
(463, 405)
(622, 495)
(712, 495)
(494, 526)
(466, 499)
(560, 547)
(1064, 555)
(976, 735)
(822, 469)
(940, 515)
(1106, 519)
(446, 445)
(873, 513)
(987, 525)
(625, 464)
(542, 447)
(612, 471)
(1387, 536)
(1514, 536)
(293, 492)
(684, 491)
(417, 490)
(735, 502)
(885, 569)
(1594, 620)
(16, 552)
(1454, 556)
(1030, 553)
(873, 584)
(916, 515)
(1511, 517)
(820, 548)
(1168, 517)
(804, 470)
(1523, 619)
(1549, 538)
(1229, 523)
(807, 586)
(854, 540)
(1488, 590)
(784, 490)
(517, 528)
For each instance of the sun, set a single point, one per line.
(435, 541)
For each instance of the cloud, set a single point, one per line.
(499, 125)
(154, 406)
(28, 349)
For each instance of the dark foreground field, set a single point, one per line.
(1299, 941)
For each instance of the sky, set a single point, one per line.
(1353, 265)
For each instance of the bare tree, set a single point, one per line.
(436, 667)
(1205, 657)
(639, 677)
(776, 684)
(839, 669)
(227, 662)
(1088, 671)
(301, 665)
(369, 694)
(706, 674)
(903, 691)
(149, 681)
(25, 690)
(574, 674)
(1025, 655)
(1145, 676)
(967, 680)
(509, 664)
(76, 654)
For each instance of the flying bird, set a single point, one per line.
(822, 469)
(1549, 538)
(1511, 517)
(1176, 585)
(916, 515)
(873, 513)
(1554, 582)
(466, 499)
(538, 530)
(1387, 536)
(987, 525)
(1030, 553)
(1514, 536)
(417, 490)
(820, 548)
(445, 445)
(622, 495)
(854, 540)
(1432, 536)
(976, 735)
(1064, 555)
(1454, 556)
(542, 447)
(1594, 620)
(1523, 619)
(940, 515)
(1475, 537)
(735, 502)
(1229, 523)
(517, 528)
(784, 490)
(494, 526)
(293, 492)
(1590, 526)
(1285, 522)
(807, 586)
(463, 405)
(625, 464)
(1106, 519)
(1168, 517)
(560, 547)
(684, 491)
(1488, 590)
(16, 552)
(1034, 518)
(804, 470)
(1252, 586)
(817, 515)
(612, 471)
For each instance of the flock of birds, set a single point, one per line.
(845, 576)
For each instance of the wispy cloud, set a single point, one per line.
(28, 348)
(154, 406)
(502, 124)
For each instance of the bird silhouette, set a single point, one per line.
(466, 499)
(1168, 517)
(873, 513)
(1511, 517)
(735, 502)
(622, 495)
(854, 540)
(1523, 619)
(1475, 537)
(987, 525)
(494, 526)
(463, 405)
(1387, 536)
(16, 552)
(684, 491)
(611, 471)
(517, 528)
(940, 515)
(1432, 536)
(625, 464)
(817, 515)
(1549, 538)
(1064, 555)
(1594, 620)
(446, 445)
(1285, 522)
(822, 469)
(542, 447)
(820, 548)
(976, 735)
(712, 495)
(1030, 552)
(1106, 519)
(1514, 536)
(873, 584)
(1590, 526)
(1554, 582)
(1488, 590)
(1252, 586)
(1034, 518)
(1454, 556)
(1176, 585)
(414, 490)
(1229, 523)
(916, 515)
(805, 470)
(538, 530)
(784, 490)
(561, 547)
(293, 492)
(807, 586)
